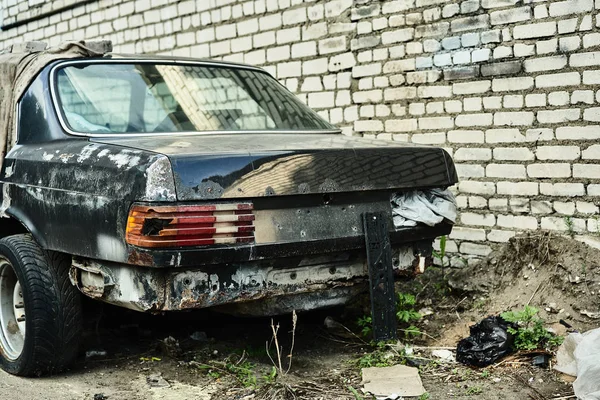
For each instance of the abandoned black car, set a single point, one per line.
(163, 184)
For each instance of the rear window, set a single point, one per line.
(126, 98)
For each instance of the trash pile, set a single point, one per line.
(579, 356)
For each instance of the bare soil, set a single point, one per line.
(558, 275)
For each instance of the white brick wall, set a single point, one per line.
(509, 88)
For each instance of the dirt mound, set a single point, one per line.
(557, 274)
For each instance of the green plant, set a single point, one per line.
(570, 226)
(529, 330)
(271, 377)
(424, 396)
(485, 374)
(474, 390)
(244, 372)
(405, 311)
(441, 255)
(357, 396)
(365, 323)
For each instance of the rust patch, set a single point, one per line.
(139, 258)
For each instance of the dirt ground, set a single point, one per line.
(204, 355)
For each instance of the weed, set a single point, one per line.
(473, 390)
(381, 357)
(243, 371)
(357, 396)
(271, 377)
(529, 332)
(405, 311)
(279, 349)
(440, 255)
(365, 323)
(424, 396)
(485, 374)
(570, 226)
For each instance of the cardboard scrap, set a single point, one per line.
(396, 380)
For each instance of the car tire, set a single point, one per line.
(40, 329)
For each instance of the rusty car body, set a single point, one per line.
(255, 221)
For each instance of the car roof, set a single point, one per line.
(151, 57)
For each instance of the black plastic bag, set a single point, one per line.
(489, 342)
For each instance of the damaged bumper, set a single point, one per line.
(259, 280)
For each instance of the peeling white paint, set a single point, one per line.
(87, 152)
(6, 200)
(110, 248)
(10, 170)
(103, 153)
(36, 192)
(159, 181)
(47, 157)
(124, 159)
(65, 157)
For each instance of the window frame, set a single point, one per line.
(65, 126)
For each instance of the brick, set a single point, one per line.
(474, 187)
(591, 171)
(470, 39)
(591, 153)
(592, 114)
(437, 29)
(559, 224)
(516, 118)
(441, 60)
(545, 63)
(468, 120)
(341, 62)
(541, 207)
(562, 189)
(332, 45)
(511, 15)
(463, 136)
(510, 171)
(459, 73)
(560, 98)
(470, 23)
(513, 154)
(475, 249)
(471, 87)
(436, 123)
(567, 44)
(429, 138)
(398, 36)
(584, 59)
(451, 43)
(461, 233)
(293, 17)
(513, 101)
(590, 132)
(549, 170)
(517, 222)
(500, 236)
(517, 188)
(502, 68)
(503, 52)
(582, 96)
(391, 67)
(561, 8)
(504, 136)
(519, 205)
(558, 116)
(585, 207)
(529, 31)
(428, 92)
(470, 154)
(546, 46)
(401, 125)
(512, 84)
(469, 171)
(557, 152)
(472, 104)
(490, 37)
(368, 126)
(468, 218)
(492, 102)
(400, 93)
(558, 80)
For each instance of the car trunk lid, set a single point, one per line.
(228, 166)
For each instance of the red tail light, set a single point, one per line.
(178, 226)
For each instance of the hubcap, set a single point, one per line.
(12, 312)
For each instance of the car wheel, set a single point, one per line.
(40, 311)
